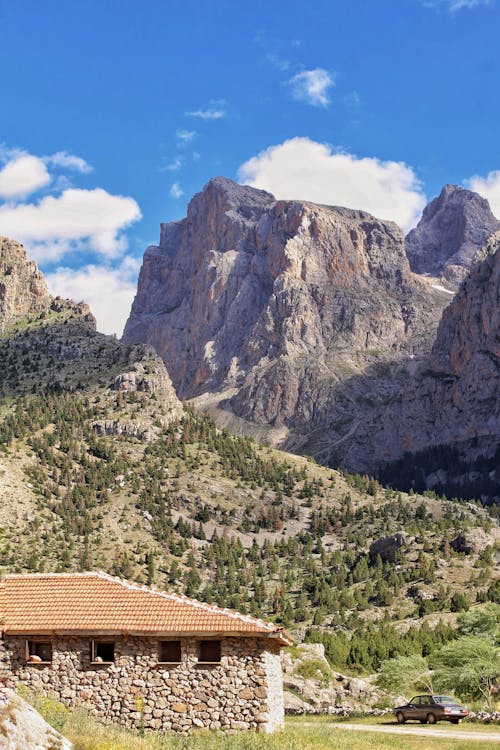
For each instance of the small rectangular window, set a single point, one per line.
(170, 651)
(209, 652)
(103, 652)
(39, 651)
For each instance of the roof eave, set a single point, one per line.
(95, 633)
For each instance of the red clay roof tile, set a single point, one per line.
(99, 603)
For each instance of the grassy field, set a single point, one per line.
(300, 734)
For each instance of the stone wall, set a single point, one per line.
(275, 697)
(244, 691)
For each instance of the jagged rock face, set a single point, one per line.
(277, 300)
(468, 337)
(23, 290)
(455, 400)
(453, 227)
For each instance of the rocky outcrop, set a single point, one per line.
(471, 541)
(23, 290)
(136, 430)
(277, 303)
(23, 727)
(453, 227)
(388, 546)
(311, 685)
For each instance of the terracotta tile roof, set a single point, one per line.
(39, 603)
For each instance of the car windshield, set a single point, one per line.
(445, 699)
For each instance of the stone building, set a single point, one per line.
(139, 656)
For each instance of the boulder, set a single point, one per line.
(387, 546)
(22, 728)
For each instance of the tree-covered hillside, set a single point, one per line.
(101, 468)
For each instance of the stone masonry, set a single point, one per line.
(243, 691)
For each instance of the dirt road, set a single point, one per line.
(455, 734)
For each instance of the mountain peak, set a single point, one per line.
(453, 227)
(23, 290)
(225, 194)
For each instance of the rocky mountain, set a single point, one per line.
(48, 342)
(23, 290)
(264, 309)
(453, 227)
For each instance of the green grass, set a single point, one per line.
(312, 733)
(314, 669)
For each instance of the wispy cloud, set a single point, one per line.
(216, 110)
(68, 161)
(185, 136)
(174, 165)
(280, 63)
(312, 86)
(452, 6)
(176, 191)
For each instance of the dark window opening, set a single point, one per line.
(209, 651)
(103, 651)
(170, 651)
(39, 651)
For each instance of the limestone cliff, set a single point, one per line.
(453, 227)
(276, 303)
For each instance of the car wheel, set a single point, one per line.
(431, 719)
(400, 717)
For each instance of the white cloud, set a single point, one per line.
(217, 109)
(454, 5)
(174, 165)
(22, 175)
(109, 291)
(176, 191)
(311, 86)
(303, 169)
(58, 224)
(68, 161)
(185, 136)
(489, 188)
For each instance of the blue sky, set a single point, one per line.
(114, 113)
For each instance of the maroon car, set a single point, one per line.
(428, 709)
